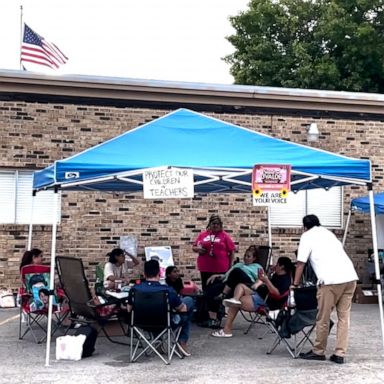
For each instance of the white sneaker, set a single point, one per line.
(232, 303)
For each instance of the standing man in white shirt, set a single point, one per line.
(336, 285)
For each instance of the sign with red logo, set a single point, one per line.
(270, 184)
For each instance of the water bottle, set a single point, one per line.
(18, 299)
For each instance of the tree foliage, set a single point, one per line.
(316, 44)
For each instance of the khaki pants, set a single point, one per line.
(332, 296)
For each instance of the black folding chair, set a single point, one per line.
(151, 325)
(264, 256)
(82, 306)
(293, 327)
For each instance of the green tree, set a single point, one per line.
(317, 44)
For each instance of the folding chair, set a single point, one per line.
(264, 256)
(82, 306)
(262, 315)
(151, 324)
(294, 326)
(33, 311)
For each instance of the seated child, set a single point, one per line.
(173, 279)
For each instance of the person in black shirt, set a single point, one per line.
(173, 279)
(271, 295)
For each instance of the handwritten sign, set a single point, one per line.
(270, 184)
(168, 183)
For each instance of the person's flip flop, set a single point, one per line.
(221, 333)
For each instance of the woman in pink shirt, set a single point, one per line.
(215, 248)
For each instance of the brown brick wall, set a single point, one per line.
(33, 135)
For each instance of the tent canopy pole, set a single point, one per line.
(52, 276)
(376, 259)
(29, 245)
(347, 226)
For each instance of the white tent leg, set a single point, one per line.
(376, 259)
(29, 245)
(269, 232)
(52, 277)
(346, 227)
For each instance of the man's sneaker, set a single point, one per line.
(232, 303)
(337, 359)
(311, 356)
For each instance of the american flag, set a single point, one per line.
(35, 49)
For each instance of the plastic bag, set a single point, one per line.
(69, 347)
(7, 300)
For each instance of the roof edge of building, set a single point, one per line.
(186, 93)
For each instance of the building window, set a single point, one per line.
(326, 205)
(16, 200)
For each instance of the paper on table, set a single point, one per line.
(118, 295)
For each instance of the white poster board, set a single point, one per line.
(270, 184)
(163, 254)
(168, 183)
(380, 231)
(129, 243)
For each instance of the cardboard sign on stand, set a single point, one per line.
(270, 184)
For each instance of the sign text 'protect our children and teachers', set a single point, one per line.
(168, 183)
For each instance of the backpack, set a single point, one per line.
(7, 300)
(90, 334)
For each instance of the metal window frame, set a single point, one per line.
(306, 196)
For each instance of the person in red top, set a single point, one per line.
(215, 248)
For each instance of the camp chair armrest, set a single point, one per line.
(25, 295)
(279, 297)
(91, 303)
(94, 303)
(60, 292)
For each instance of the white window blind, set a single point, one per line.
(327, 205)
(16, 200)
(7, 197)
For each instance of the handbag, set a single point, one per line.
(69, 347)
(7, 300)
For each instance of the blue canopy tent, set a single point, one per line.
(361, 204)
(221, 155)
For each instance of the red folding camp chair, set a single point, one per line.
(34, 295)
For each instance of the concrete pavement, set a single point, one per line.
(241, 359)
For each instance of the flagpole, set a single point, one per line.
(21, 33)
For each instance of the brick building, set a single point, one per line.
(43, 119)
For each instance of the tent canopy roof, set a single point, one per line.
(221, 154)
(362, 204)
